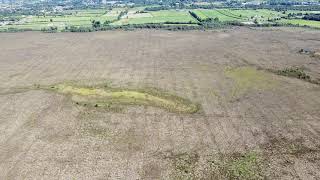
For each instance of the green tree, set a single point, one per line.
(106, 23)
(96, 24)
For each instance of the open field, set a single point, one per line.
(181, 16)
(238, 15)
(302, 22)
(68, 18)
(138, 15)
(159, 105)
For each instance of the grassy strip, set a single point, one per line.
(106, 96)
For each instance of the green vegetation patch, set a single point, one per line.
(301, 22)
(244, 167)
(191, 165)
(107, 97)
(295, 72)
(247, 78)
(247, 15)
(184, 164)
(239, 166)
(164, 16)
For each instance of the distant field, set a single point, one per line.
(302, 22)
(36, 26)
(237, 15)
(157, 17)
(303, 12)
(68, 18)
(137, 15)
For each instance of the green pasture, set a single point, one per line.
(237, 14)
(67, 18)
(137, 15)
(181, 16)
(301, 22)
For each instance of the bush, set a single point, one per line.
(79, 29)
(294, 72)
(51, 29)
(107, 22)
(314, 17)
(96, 24)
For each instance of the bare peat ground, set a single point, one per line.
(253, 124)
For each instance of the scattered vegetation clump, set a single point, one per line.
(108, 97)
(170, 26)
(78, 29)
(244, 167)
(237, 166)
(51, 29)
(295, 72)
(96, 24)
(249, 165)
(281, 146)
(184, 165)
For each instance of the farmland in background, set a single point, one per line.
(133, 17)
(160, 105)
(67, 18)
(140, 15)
(238, 15)
(301, 22)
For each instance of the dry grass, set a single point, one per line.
(44, 134)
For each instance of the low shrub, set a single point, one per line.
(295, 72)
(51, 29)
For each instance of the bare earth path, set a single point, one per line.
(244, 110)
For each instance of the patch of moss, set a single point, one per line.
(248, 78)
(106, 96)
